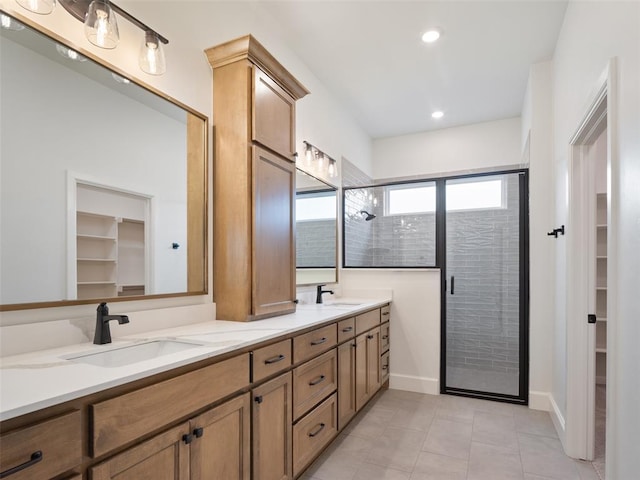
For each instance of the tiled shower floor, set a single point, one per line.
(494, 382)
(409, 436)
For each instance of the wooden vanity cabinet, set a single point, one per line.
(215, 444)
(43, 450)
(272, 415)
(346, 382)
(254, 168)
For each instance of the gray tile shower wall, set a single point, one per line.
(316, 243)
(357, 230)
(483, 314)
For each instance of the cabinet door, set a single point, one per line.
(374, 377)
(272, 419)
(221, 442)
(346, 382)
(273, 252)
(361, 390)
(273, 115)
(163, 457)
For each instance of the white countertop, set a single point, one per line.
(36, 380)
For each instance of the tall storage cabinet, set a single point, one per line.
(254, 181)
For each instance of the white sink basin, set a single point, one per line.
(119, 357)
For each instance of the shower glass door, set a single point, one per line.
(484, 327)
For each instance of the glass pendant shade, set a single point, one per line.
(152, 59)
(43, 7)
(100, 25)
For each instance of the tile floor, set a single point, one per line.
(409, 436)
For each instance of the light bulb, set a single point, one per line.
(332, 169)
(437, 114)
(431, 36)
(151, 58)
(42, 7)
(100, 25)
(308, 156)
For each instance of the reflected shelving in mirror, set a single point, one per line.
(316, 231)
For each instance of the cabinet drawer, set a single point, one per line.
(384, 367)
(47, 448)
(313, 433)
(314, 380)
(346, 329)
(271, 359)
(132, 415)
(367, 321)
(273, 115)
(313, 343)
(384, 337)
(385, 313)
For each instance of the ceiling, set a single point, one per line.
(370, 56)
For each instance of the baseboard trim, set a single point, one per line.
(411, 383)
(539, 401)
(558, 420)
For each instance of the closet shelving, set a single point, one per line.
(601, 287)
(109, 256)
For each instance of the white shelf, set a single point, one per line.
(97, 283)
(601, 319)
(113, 260)
(601, 350)
(96, 237)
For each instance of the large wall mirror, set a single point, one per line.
(316, 231)
(103, 182)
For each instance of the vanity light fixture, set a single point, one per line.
(314, 153)
(151, 58)
(431, 35)
(101, 28)
(437, 114)
(42, 7)
(100, 25)
(9, 23)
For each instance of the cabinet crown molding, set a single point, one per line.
(248, 48)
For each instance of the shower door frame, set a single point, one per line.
(441, 248)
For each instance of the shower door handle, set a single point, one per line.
(453, 279)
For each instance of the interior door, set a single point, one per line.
(485, 287)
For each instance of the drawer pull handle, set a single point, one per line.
(318, 342)
(258, 399)
(369, 337)
(35, 458)
(385, 314)
(187, 438)
(313, 434)
(318, 380)
(198, 432)
(347, 329)
(276, 359)
(384, 337)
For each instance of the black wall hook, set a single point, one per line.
(556, 231)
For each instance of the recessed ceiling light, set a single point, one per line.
(431, 36)
(437, 114)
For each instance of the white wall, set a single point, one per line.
(593, 33)
(415, 323)
(459, 149)
(320, 118)
(537, 137)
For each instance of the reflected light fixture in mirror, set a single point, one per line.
(9, 23)
(42, 7)
(100, 25)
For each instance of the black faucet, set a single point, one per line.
(320, 292)
(103, 333)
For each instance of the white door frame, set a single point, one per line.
(580, 420)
